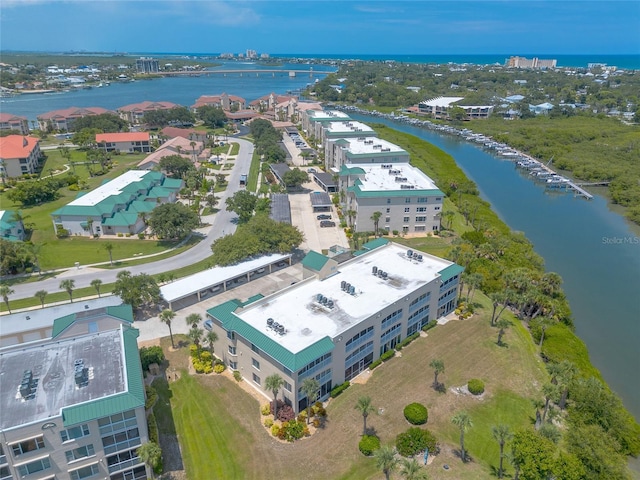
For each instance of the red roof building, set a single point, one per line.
(133, 113)
(188, 133)
(63, 119)
(19, 155)
(125, 142)
(14, 122)
(224, 101)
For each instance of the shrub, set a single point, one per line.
(293, 430)
(375, 364)
(152, 396)
(268, 422)
(387, 355)
(368, 444)
(414, 441)
(430, 325)
(149, 355)
(285, 412)
(153, 428)
(319, 410)
(219, 368)
(62, 233)
(237, 375)
(475, 386)
(265, 409)
(275, 430)
(120, 235)
(416, 414)
(339, 389)
(141, 236)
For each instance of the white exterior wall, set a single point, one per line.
(13, 167)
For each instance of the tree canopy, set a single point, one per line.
(178, 116)
(243, 203)
(173, 220)
(136, 290)
(260, 236)
(105, 122)
(213, 117)
(176, 166)
(295, 177)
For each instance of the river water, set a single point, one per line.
(594, 249)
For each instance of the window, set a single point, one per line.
(256, 379)
(232, 350)
(437, 208)
(287, 386)
(84, 472)
(388, 200)
(405, 219)
(407, 209)
(27, 446)
(233, 365)
(231, 335)
(390, 319)
(438, 199)
(388, 210)
(78, 453)
(421, 209)
(5, 473)
(122, 460)
(117, 422)
(138, 473)
(387, 219)
(407, 200)
(33, 467)
(74, 432)
(255, 363)
(421, 219)
(255, 349)
(420, 228)
(121, 441)
(422, 200)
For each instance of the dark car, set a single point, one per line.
(324, 216)
(327, 223)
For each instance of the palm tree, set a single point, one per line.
(502, 434)
(386, 460)
(5, 291)
(438, 368)
(151, 454)
(310, 387)
(376, 220)
(502, 324)
(274, 383)
(68, 285)
(166, 316)
(109, 248)
(463, 421)
(544, 324)
(90, 225)
(550, 392)
(411, 470)
(40, 295)
(96, 283)
(195, 335)
(365, 407)
(351, 214)
(211, 338)
(193, 319)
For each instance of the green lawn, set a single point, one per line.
(254, 170)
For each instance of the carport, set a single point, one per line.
(326, 182)
(195, 288)
(320, 201)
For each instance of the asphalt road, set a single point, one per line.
(223, 224)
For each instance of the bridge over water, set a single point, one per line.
(242, 72)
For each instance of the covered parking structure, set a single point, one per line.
(195, 288)
(320, 201)
(326, 181)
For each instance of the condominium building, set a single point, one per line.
(523, 62)
(19, 155)
(134, 113)
(343, 151)
(147, 65)
(124, 142)
(63, 119)
(439, 107)
(313, 120)
(349, 129)
(11, 229)
(224, 101)
(334, 324)
(117, 207)
(14, 122)
(405, 198)
(73, 405)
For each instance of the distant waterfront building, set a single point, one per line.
(439, 107)
(224, 101)
(333, 324)
(10, 228)
(522, 62)
(134, 112)
(73, 405)
(14, 122)
(63, 119)
(147, 65)
(407, 199)
(313, 119)
(19, 155)
(124, 142)
(252, 54)
(118, 206)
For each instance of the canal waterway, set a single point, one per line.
(594, 249)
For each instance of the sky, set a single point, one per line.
(427, 27)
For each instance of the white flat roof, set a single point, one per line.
(194, 283)
(371, 145)
(306, 321)
(441, 101)
(385, 179)
(326, 114)
(114, 187)
(348, 127)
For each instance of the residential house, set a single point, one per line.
(542, 108)
(19, 155)
(189, 149)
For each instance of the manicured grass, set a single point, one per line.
(235, 148)
(254, 170)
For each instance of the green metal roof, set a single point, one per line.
(252, 299)
(61, 324)
(141, 206)
(314, 261)
(367, 247)
(293, 361)
(121, 219)
(134, 397)
(121, 312)
(172, 183)
(344, 171)
(450, 271)
(159, 192)
(394, 193)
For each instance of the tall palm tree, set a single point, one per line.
(502, 324)
(351, 214)
(193, 319)
(41, 295)
(376, 220)
(411, 470)
(151, 454)
(386, 460)
(211, 338)
(438, 368)
(96, 283)
(550, 392)
(274, 383)
(365, 407)
(68, 285)
(90, 225)
(463, 421)
(195, 335)
(5, 291)
(109, 248)
(165, 317)
(310, 387)
(502, 434)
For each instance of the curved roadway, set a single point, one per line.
(222, 224)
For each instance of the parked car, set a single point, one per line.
(327, 223)
(324, 216)
(208, 324)
(311, 170)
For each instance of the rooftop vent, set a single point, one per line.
(269, 322)
(27, 385)
(419, 258)
(86, 307)
(374, 270)
(409, 253)
(352, 290)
